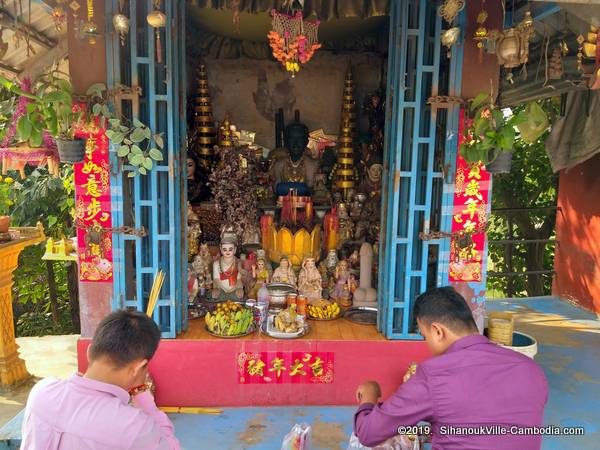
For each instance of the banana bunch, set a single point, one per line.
(291, 66)
(230, 322)
(324, 311)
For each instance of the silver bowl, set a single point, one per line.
(278, 294)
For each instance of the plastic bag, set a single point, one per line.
(298, 438)
(401, 442)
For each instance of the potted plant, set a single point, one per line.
(5, 203)
(489, 135)
(135, 142)
(50, 110)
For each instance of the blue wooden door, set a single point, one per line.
(420, 149)
(152, 202)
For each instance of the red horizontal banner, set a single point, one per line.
(285, 367)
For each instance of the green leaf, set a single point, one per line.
(479, 99)
(123, 151)
(158, 138)
(124, 129)
(137, 123)
(136, 150)
(97, 109)
(52, 220)
(57, 97)
(114, 123)
(148, 163)
(131, 174)
(117, 137)
(155, 154)
(127, 141)
(142, 170)
(110, 134)
(24, 127)
(31, 107)
(138, 135)
(36, 138)
(137, 159)
(148, 133)
(106, 110)
(65, 86)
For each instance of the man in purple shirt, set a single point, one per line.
(475, 394)
(92, 411)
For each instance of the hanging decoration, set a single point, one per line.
(555, 66)
(90, 29)
(450, 9)
(512, 45)
(580, 41)
(481, 33)
(293, 40)
(59, 15)
(449, 38)
(157, 20)
(121, 23)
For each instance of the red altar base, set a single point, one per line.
(200, 370)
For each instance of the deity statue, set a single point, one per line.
(346, 225)
(284, 273)
(309, 280)
(297, 169)
(371, 184)
(202, 264)
(194, 231)
(227, 272)
(260, 275)
(321, 195)
(331, 261)
(341, 290)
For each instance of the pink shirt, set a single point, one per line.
(83, 414)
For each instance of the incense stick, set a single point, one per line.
(154, 292)
(189, 410)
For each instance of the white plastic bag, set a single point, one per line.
(298, 438)
(401, 442)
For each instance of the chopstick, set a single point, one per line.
(154, 292)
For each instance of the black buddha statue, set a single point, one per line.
(297, 169)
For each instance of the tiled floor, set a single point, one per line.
(569, 351)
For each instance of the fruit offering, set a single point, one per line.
(323, 309)
(229, 319)
(286, 321)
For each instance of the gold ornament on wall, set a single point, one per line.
(450, 9)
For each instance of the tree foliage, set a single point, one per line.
(530, 184)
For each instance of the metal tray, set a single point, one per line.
(251, 329)
(264, 330)
(362, 315)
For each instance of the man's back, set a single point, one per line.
(479, 383)
(83, 414)
(475, 383)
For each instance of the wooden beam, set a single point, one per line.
(10, 69)
(7, 20)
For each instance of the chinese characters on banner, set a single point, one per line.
(93, 209)
(469, 215)
(285, 367)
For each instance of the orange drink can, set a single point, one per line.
(301, 303)
(291, 299)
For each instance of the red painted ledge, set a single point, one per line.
(205, 372)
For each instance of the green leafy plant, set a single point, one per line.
(489, 130)
(6, 195)
(50, 109)
(136, 144)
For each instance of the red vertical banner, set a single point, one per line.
(93, 209)
(469, 217)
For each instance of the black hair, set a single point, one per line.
(125, 336)
(446, 306)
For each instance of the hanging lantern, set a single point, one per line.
(59, 17)
(157, 20)
(449, 38)
(293, 40)
(121, 23)
(512, 45)
(89, 29)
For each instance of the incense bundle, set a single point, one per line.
(189, 410)
(154, 292)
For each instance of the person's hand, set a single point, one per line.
(368, 392)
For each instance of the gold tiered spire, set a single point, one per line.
(204, 135)
(344, 173)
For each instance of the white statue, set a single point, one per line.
(365, 295)
(227, 272)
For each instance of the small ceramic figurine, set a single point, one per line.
(341, 290)
(331, 261)
(284, 273)
(260, 275)
(227, 272)
(201, 267)
(309, 280)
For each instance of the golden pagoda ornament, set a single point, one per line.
(344, 172)
(349, 103)
(225, 134)
(204, 134)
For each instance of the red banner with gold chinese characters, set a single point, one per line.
(469, 217)
(93, 209)
(285, 367)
